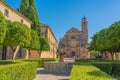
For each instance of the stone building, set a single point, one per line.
(75, 42)
(14, 16)
(47, 33)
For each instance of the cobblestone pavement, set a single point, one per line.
(42, 75)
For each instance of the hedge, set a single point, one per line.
(86, 71)
(40, 61)
(18, 70)
(104, 66)
(94, 60)
(111, 67)
(116, 70)
(86, 60)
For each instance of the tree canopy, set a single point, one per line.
(28, 9)
(34, 42)
(24, 7)
(44, 44)
(107, 39)
(2, 28)
(17, 34)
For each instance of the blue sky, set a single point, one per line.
(61, 15)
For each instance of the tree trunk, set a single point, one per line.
(15, 51)
(112, 55)
(39, 53)
(27, 54)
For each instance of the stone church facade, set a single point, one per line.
(75, 42)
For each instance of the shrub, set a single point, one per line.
(86, 71)
(116, 70)
(94, 60)
(104, 66)
(86, 60)
(40, 61)
(18, 70)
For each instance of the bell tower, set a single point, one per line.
(84, 24)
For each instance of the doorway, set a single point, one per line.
(4, 52)
(73, 54)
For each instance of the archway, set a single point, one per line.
(73, 54)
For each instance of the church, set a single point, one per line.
(75, 42)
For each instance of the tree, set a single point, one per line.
(30, 12)
(44, 46)
(33, 16)
(94, 53)
(2, 28)
(24, 7)
(107, 40)
(34, 42)
(114, 38)
(17, 35)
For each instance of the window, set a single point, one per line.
(22, 21)
(73, 37)
(84, 23)
(6, 13)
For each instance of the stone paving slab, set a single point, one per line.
(42, 75)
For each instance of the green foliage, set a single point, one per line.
(99, 41)
(114, 37)
(29, 10)
(116, 69)
(17, 34)
(94, 60)
(24, 7)
(109, 66)
(18, 70)
(44, 44)
(34, 43)
(86, 60)
(40, 61)
(93, 52)
(85, 71)
(107, 40)
(2, 28)
(32, 15)
(104, 66)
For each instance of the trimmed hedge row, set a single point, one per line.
(86, 60)
(40, 61)
(24, 69)
(94, 60)
(104, 66)
(109, 66)
(17, 70)
(86, 71)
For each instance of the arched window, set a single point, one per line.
(73, 37)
